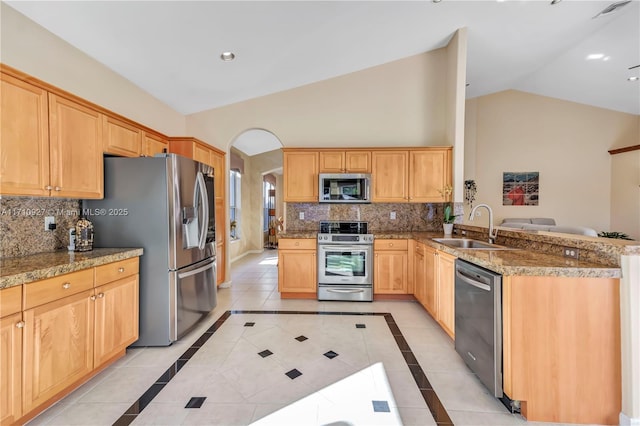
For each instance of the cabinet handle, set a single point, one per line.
(297, 244)
(100, 295)
(93, 297)
(48, 187)
(66, 285)
(120, 270)
(390, 244)
(20, 324)
(57, 188)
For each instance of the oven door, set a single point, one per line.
(344, 264)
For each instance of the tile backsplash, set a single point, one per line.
(409, 216)
(22, 224)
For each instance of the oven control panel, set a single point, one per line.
(346, 238)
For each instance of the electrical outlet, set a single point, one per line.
(571, 252)
(49, 223)
(301, 215)
(392, 215)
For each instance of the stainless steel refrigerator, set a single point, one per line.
(164, 204)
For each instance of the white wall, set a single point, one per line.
(625, 193)
(401, 103)
(566, 142)
(30, 48)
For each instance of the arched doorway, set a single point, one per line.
(254, 155)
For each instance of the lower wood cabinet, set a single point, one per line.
(297, 266)
(445, 267)
(391, 266)
(58, 332)
(11, 333)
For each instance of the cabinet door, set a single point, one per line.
(446, 292)
(220, 174)
(121, 138)
(419, 283)
(221, 259)
(11, 368)
(297, 268)
(430, 277)
(357, 161)
(58, 347)
(75, 141)
(152, 145)
(201, 154)
(24, 130)
(300, 176)
(429, 172)
(331, 162)
(390, 272)
(116, 318)
(389, 176)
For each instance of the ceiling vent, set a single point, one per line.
(612, 8)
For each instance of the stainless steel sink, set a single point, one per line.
(467, 243)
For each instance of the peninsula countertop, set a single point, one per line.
(507, 262)
(25, 269)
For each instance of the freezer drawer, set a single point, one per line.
(195, 296)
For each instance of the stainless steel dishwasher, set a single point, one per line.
(478, 307)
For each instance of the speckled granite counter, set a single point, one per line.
(525, 260)
(25, 269)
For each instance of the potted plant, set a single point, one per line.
(448, 219)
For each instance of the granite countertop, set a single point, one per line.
(506, 262)
(25, 269)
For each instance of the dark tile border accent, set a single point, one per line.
(433, 402)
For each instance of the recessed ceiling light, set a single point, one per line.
(595, 56)
(436, 1)
(555, 2)
(633, 78)
(227, 56)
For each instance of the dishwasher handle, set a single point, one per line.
(471, 281)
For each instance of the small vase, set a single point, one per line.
(448, 228)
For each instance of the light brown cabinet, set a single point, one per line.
(445, 288)
(391, 266)
(11, 334)
(68, 327)
(300, 169)
(561, 348)
(297, 266)
(414, 175)
(75, 140)
(345, 161)
(121, 138)
(51, 146)
(24, 126)
(152, 145)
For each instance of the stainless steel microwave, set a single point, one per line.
(344, 188)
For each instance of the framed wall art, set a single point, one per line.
(520, 188)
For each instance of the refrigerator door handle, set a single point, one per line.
(197, 271)
(201, 186)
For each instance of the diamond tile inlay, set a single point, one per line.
(330, 354)
(195, 402)
(381, 406)
(361, 326)
(301, 338)
(292, 374)
(265, 353)
(249, 324)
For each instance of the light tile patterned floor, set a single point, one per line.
(242, 387)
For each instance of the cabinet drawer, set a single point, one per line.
(300, 244)
(10, 300)
(390, 244)
(116, 270)
(45, 291)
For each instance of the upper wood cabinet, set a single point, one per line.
(349, 161)
(75, 141)
(300, 175)
(121, 138)
(389, 176)
(152, 145)
(24, 126)
(414, 175)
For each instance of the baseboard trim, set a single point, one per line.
(629, 421)
(245, 254)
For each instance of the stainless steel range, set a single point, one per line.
(345, 262)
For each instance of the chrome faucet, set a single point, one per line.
(493, 233)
